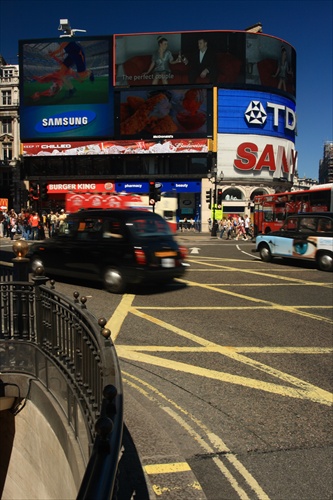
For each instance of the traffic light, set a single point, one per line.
(157, 193)
(152, 193)
(219, 197)
(43, 192)
(33, 191)
(209, 197)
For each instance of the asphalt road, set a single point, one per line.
(227, 377)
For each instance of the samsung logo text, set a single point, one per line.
(63, 122)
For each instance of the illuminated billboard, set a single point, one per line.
(259, 113)
(256, 158)
(112, 147)
(66, 88)
(221, 58)
(164, 113)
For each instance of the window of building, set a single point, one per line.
(6, 98)
(186, 165)
(5, 178)
(258, 192)
(232, 194)
(7, 73)
(7, 153)
(6, 126)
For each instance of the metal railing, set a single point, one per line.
(6, 271)
(57, 341)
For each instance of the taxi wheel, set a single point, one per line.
(35, 262)
(113, 279)
(265, 253)
(325, 261)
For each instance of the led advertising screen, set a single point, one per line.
(221, 58)
(169, 113)
(112, 147)
(66, 88)
(256, 158)
(260, 113)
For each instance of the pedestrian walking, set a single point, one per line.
(222, 227)
(34, 221)
(229, 228)
(241, 229)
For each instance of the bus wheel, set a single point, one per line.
(325, 261)
(265, 253)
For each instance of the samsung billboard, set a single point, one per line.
(223, 58)
(66, 88)
(259, 113)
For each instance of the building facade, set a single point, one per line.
(326, 164)
(164, 108)
(9, 134)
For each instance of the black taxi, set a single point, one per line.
(116, 247)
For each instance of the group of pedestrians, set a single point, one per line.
(235, 228)
(29, 225)
(187, 225)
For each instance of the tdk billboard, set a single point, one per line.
(258, 113)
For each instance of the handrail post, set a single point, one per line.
(39, 279)
(20, 274)
(20, 262)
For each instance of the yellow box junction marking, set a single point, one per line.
(300, 389)
(211, 444)
(167, 468)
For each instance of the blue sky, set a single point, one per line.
(306, 24)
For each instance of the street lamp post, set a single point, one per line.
(217, 181)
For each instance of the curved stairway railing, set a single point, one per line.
(47, 336)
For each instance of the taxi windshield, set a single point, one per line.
(145, 227)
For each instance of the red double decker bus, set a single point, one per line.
(270, 210)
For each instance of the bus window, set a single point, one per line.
(268, 216)
(320, 200)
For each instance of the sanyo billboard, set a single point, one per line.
(254, 157)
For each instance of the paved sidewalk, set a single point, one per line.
(205, 236)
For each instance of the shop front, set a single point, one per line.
(180, 199)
